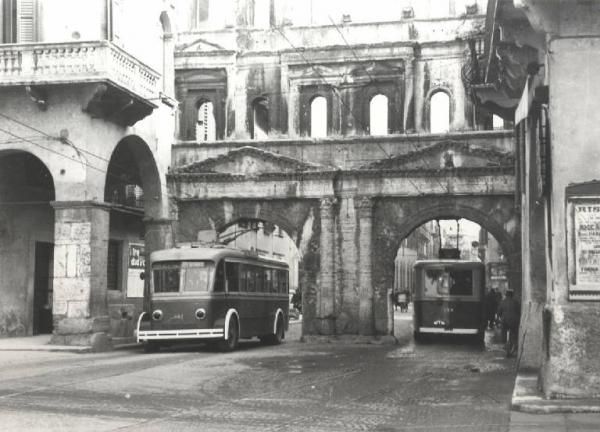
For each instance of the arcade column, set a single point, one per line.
(80, 310)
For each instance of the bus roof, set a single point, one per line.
(428, 262)
(193, 253)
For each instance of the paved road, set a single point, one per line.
(448, 386)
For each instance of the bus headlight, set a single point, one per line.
(200, 313)
(157, 315)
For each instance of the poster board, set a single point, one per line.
(583, 239)
(135, 267)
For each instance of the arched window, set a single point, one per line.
(318, 117)
(439, 120)
(497, 122)
(378, 115)
(205, 124)
(260, 119)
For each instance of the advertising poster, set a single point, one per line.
(587, 244)
(136, 265)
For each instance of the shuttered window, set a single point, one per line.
(26, 20)
(19, 21)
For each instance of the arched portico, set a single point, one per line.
(26, 243)
(396, 218)
(99, 246)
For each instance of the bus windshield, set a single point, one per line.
(451, 282)
(187, 276)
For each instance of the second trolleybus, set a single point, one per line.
(448, 297)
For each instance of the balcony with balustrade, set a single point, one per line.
(125, 91)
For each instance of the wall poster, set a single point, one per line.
(584, 256)
(135, 267)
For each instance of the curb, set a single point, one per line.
(527, 398)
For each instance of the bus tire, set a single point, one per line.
(151, 347)
(277, 337)
(279, 332)
(233, 337)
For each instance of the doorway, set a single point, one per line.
(42, 288)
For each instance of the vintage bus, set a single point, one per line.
(216, 294)
(448, 297)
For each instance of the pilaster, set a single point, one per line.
(364, 211)
(326, 302)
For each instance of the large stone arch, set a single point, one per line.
(27, 191)
(396, 218)
(299, 218)
(149, 177)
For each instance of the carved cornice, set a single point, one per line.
(494, 157)
(285, 162)
(441, 172)
(234, 178)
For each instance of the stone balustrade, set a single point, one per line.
(73, 62)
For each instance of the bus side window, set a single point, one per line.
(250, 280)
(268, 280)
(282, 279)
(220, 277)
(260, 280)
(232, 271)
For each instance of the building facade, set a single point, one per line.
(86, 115)
(348, 126)
(538, 69)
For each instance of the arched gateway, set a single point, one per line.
(348, 218)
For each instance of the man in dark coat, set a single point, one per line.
(509, 313)
(491, 306)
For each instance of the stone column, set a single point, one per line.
(364, 210)
(326, 303)
(80, 308)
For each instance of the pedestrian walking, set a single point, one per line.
(509, 313)
(491, 306)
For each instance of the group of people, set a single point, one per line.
(505, 312)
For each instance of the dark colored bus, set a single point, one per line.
(448, 297)
(215, 294)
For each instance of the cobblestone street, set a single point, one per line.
(438, 386)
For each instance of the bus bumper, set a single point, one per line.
(441, 330)
(147, 335)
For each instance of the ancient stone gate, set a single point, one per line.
(348, 217)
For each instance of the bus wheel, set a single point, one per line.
(151, 347)
(274, 338)
(233, 337)
(279, 335)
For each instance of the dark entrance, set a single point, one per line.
(42, 288)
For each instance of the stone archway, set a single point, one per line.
(396, 218)
(27, 190)
(299, 218)
(137, 225)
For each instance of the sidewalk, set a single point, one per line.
(37, 343)
(531, 412)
